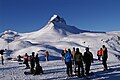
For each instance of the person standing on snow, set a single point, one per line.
(104, 57)
(73, 63)
(19, 58)
(37, 60)
(2, 52)
(68, 61)
(88, 59)
(26, 61)
(47, 56)
(38, 68)
(99, 54)
(63, 53)
(79, 62)
(73, 52)
(32, 62)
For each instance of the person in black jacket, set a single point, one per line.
(104, 57)
(79, 62)
(2, 52)
(38, 68)
(88, 59)
(32, 62)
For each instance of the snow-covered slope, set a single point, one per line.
(57, 35)
(56, 70)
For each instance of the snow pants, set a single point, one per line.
(69, 68)
(80, 66)
(99, 57)
(104, 63)
(87, 68)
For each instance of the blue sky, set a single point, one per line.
(32, 15)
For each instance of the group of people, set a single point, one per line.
(34, 61)
(81, 62)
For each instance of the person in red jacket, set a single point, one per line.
(26, 60)
(99, 54)
(47, 56)
(104, 57)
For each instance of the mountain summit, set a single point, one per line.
(56, 18)
(58, 25)
(56, 28)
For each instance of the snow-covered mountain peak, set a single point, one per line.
(57, 25)
(58, 19)
(53, 17)
(9, 32)
(9, 35)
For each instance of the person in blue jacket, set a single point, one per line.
(68, 61)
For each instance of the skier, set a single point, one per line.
(47, 56)
(26, 61)
(99, 54)
(32, 62)
(79, 62)
(38, 69)
(2, 52)
(104, 57)
(68, 62)
(88, 59)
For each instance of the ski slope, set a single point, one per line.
(56, 70)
